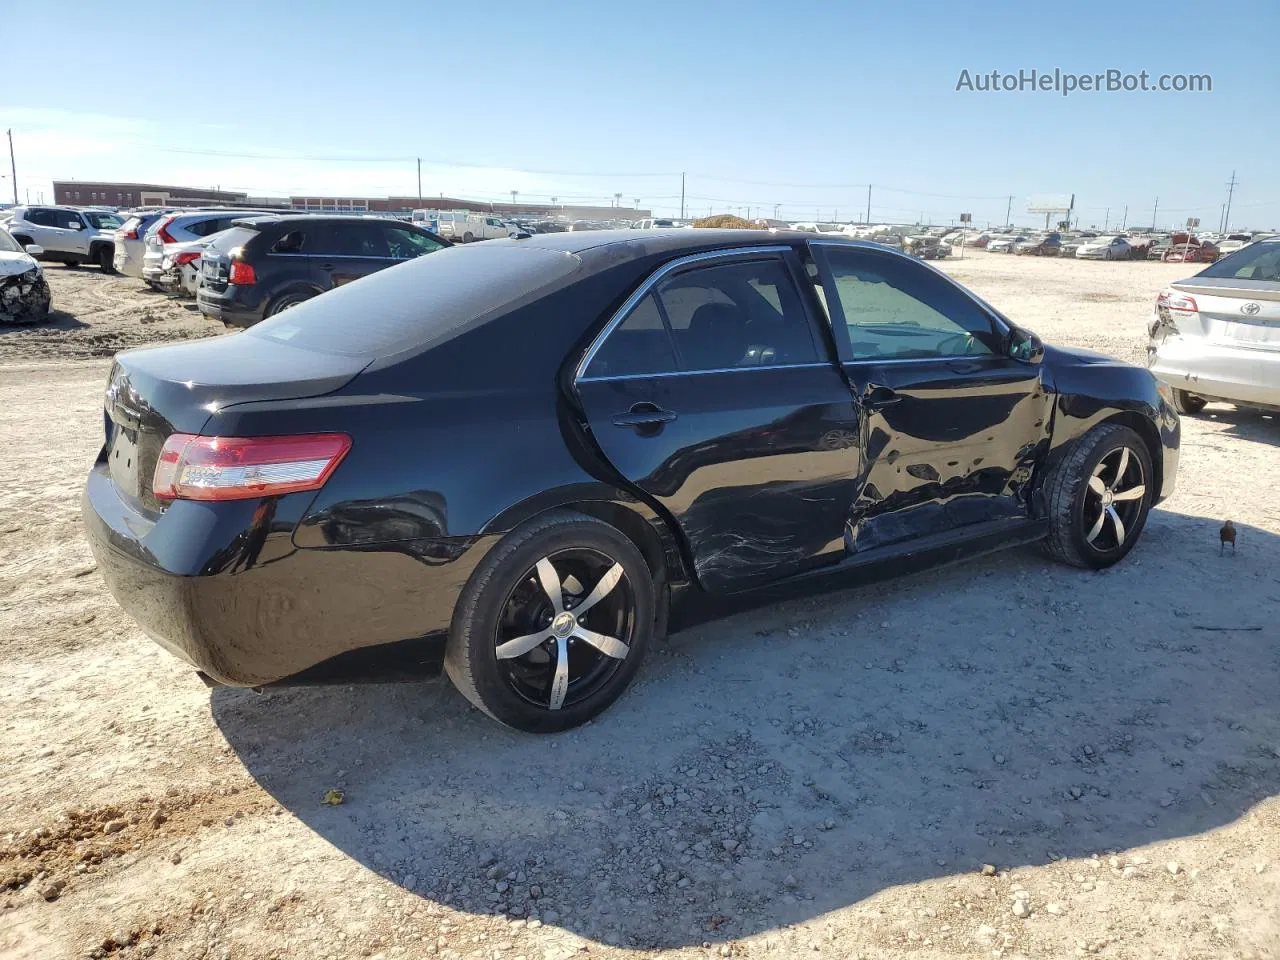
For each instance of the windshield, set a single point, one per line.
(8, 244)
(1258, 261)
(466, 283)
(103, 221)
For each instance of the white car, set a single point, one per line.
(67, 234)
(1216, 335)
(24, 292)
(131, 243)
(1004, 244)
(1234, 242)
(180, 266)
(651, 223)
(1104, 248)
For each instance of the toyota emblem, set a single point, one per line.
(1250, 309)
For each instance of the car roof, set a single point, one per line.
(268, 219)
(634, 244)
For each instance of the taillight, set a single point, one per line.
(242, 468)
(126, 234)
(1178, 302)
(188, 257)
(163, 231)
(242, 273)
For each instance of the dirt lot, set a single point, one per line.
(826, 777)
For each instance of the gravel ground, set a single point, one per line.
(1009, 758)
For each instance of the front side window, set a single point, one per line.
(896, 309)
(405, 244)
(744, 313)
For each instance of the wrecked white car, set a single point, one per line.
(24, 292)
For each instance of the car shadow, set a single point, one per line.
(1259, 426)
(782, 763)
(57, 320)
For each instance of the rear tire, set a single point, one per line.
(1188, 403)
(287, 301)
(1099, 495)
(508, 600)
(468, 237)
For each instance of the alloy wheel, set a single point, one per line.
(1113, 500)
(566, 628)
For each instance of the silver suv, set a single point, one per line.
(68, 235)
(179, 227)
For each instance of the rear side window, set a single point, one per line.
(744, 313)
(1258, 261)
(204, 228)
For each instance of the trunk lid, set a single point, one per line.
(158, 391)
(1233, 311)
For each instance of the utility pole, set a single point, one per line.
(637, 204)
(419, 181)
(1226, 217)
(1222, 218)
(1126, 216)
(1153, 213)
(868, 204)
(1008, 211)
(513, 197)
(1106, 220)
(13, 168)
(682, 197)
(617, 199)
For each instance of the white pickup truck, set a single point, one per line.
(463, 227)
(67, 234)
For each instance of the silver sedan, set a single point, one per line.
(1216, 335)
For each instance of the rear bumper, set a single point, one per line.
(1219, 371)
(224, 588)
(228, 311)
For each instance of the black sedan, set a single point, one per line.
(528, 450)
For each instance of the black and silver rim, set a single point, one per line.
(1113, 500)
(566, 628)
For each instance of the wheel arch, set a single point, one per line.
(657, 543)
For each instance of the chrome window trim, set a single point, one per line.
(697, 373)
(642, 291)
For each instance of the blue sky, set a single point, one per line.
(800, 105)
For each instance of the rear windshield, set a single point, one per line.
(1258, 261)
(423, 301)
(230, 239)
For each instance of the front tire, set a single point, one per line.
(553, 624)
(1099, 496)
(105, 257)
(1188, 403)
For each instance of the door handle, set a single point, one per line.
(643, 415)
(880, 397)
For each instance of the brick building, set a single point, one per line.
(89, 193)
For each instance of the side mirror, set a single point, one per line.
(1025, 346)
(34, 249)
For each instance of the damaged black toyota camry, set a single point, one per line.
(526, 451)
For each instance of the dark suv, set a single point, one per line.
(265, 264)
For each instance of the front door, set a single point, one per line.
(716, 397)
(952, 425)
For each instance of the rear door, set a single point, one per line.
(952, 426)
(714, 394)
